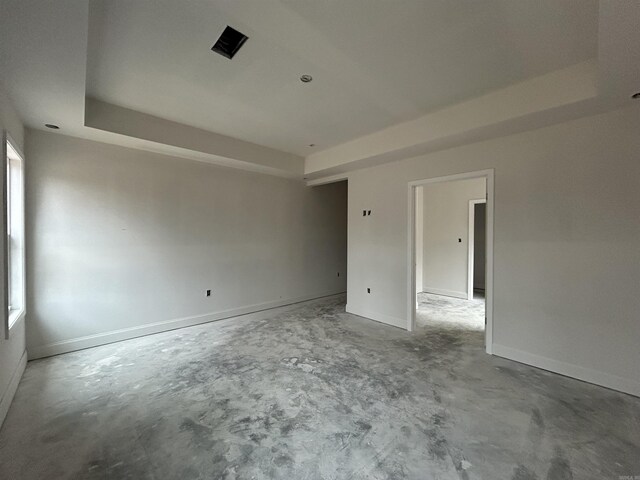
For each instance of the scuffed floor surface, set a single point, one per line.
(312, 393)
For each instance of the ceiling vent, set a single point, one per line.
(229, 42)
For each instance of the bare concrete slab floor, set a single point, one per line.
(312, 393)
(438, 311)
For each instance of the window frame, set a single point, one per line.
(12, 154)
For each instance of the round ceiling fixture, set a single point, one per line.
(52, 126)
(635, 96)
(306, 78)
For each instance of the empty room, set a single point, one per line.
(320, 239)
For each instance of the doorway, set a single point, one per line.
(447, 283)
(334, 193)
(477, 254)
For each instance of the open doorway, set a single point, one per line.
(334, 195)
(477, 248)
(451, 253)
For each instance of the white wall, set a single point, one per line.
(567, 243)
(445, 220)
(12, 349)
(119, 240)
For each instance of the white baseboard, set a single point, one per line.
(625, 385)
(378, 317)
(9, 393)
(446, 293)
(89, 341)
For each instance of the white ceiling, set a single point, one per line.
(375, 63)
(392, 77)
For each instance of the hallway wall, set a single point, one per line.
(445, 257)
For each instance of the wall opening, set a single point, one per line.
(477, 248)
(451, 253)
(337, 192)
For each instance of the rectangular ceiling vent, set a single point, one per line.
(229, 42)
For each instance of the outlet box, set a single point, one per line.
(208, 293)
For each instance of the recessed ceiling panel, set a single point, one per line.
(374, 63)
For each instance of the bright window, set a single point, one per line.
(15, 233)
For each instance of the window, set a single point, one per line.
(15, 234)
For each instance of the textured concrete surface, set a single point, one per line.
(311, 393)
(447, 312)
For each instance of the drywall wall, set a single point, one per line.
(123, 242)
(445, 239)
(567, 243)
(12, 349)
(479, 245)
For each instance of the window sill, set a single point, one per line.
(14, 317)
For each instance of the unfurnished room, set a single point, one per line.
(320, 239)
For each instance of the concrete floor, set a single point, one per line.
(311, 393)
(439, 311)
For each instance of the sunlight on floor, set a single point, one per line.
(438, 310)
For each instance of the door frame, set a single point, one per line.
(411, 241)
(471, 247)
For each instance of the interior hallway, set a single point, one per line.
(311, 393)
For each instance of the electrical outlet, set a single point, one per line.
(208, 293)
(368, 290)
(338, 273)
